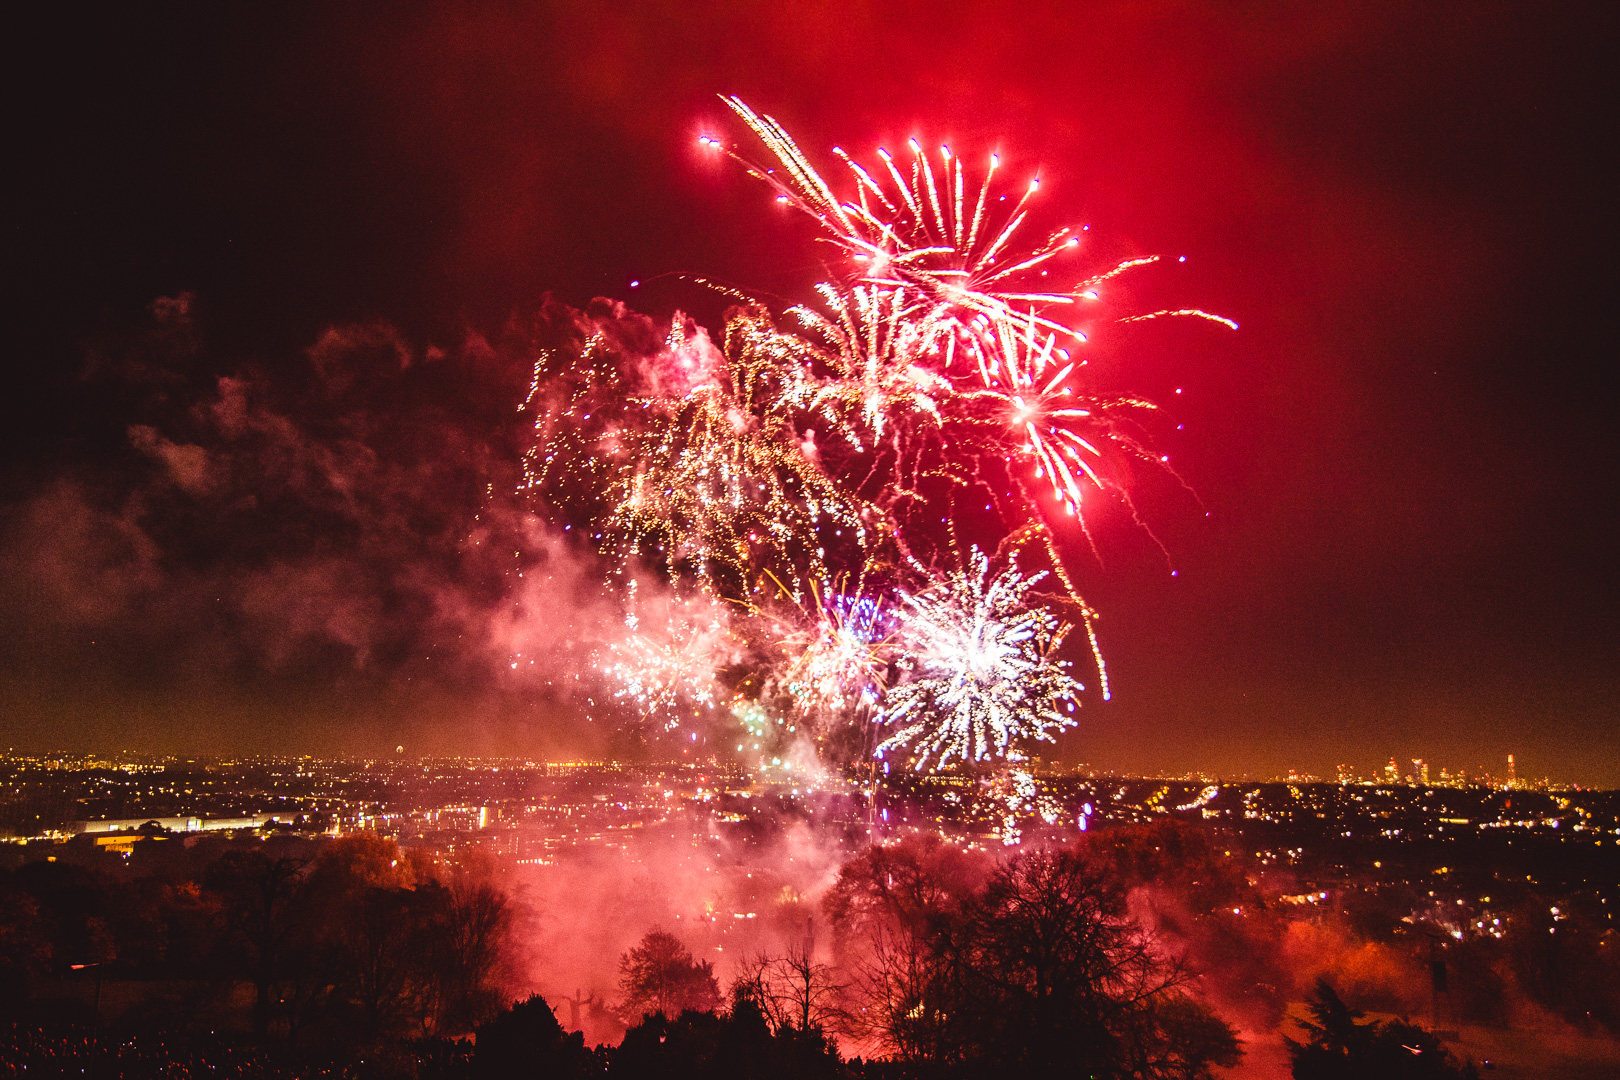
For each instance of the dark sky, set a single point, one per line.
(1407, 453)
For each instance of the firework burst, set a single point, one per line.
(840, 660)
(910, 225)
(664, 668)
(933, 362)
(1029, 409)
(984, 672)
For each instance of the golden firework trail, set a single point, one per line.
(912, 228)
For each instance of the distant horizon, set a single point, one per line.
(1082, 769)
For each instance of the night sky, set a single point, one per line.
(1402, 540)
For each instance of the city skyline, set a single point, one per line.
(1417, 772)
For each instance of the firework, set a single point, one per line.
(1015, 796)
(821, 446)
(841, 658)
(879, 345)
(913, 227)
(934, 316)
(1031, 410)
(664, 667)
(985, 676)
(719, 482)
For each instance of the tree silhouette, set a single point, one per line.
(1057, 978)
(264, 902)
(379, 962)
(464, 935)
(794, 991)
(25, 951)
(579, 1002)
(1039, 972)
(527, 1040)
(1340, 1047)
(893, 909)
(660, 976)
(738, 1045)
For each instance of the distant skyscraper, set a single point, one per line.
(1513, 774)
(1346, 775)
(1392, 772)
(1420, 770)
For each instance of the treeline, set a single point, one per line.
(344, 946)
(944, 965)
(947, 964)
(1101, 959)
(1031, 965)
